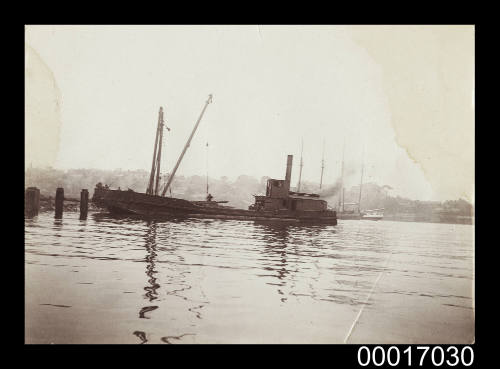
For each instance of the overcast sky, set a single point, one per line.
(404, 95)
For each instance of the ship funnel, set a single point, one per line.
(288, 176)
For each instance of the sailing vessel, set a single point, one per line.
(374, 214)
(278, 204)
(351, 213)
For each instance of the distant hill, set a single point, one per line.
(240, 192)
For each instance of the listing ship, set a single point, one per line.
(278, 204)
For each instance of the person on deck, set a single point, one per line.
(209, 197)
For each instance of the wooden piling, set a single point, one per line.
(84, 204)
(59, 202)
(31, 201)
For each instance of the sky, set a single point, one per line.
(398, 100)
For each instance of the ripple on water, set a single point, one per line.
(163, 279)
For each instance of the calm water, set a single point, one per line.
(109, 280)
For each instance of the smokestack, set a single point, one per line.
(288, 176)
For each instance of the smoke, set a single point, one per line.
(331, 190)
(350, 174)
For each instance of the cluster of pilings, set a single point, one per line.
(32, 202)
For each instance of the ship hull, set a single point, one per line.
(158, 207)
(372, 217)
(348, 216)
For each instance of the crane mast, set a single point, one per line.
(171, 177)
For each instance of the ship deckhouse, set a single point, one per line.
(279, 197)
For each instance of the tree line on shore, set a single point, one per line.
(238, 192)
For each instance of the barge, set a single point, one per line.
(278, 204)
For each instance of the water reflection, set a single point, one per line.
(316, 273)
(276, 237)
(289, 251)
(58, 223)
(150, 258)
(141, 335)
(151, 290)
(145, 310)
(161, 238)
(182, 268)
(167, 339)
(275, 253)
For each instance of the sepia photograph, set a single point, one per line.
(250, 184)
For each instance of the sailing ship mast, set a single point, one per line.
(155, 166)
(361, 181)
(301, 165)
(158, 161)
(207, 167)
(171, 177)
(149, 190)
(322, 165)
(341, 196)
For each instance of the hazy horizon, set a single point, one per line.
(326, 185)
(403, 95)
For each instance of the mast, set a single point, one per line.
(301, 165)
(341, 202)
(361, 181)
(209, 100)
(149, 190)
(158, 157)
(207, 167)
(322, 165)
(158, 161)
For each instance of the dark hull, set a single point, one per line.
(158, 207)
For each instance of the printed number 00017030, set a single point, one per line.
(438, 356)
